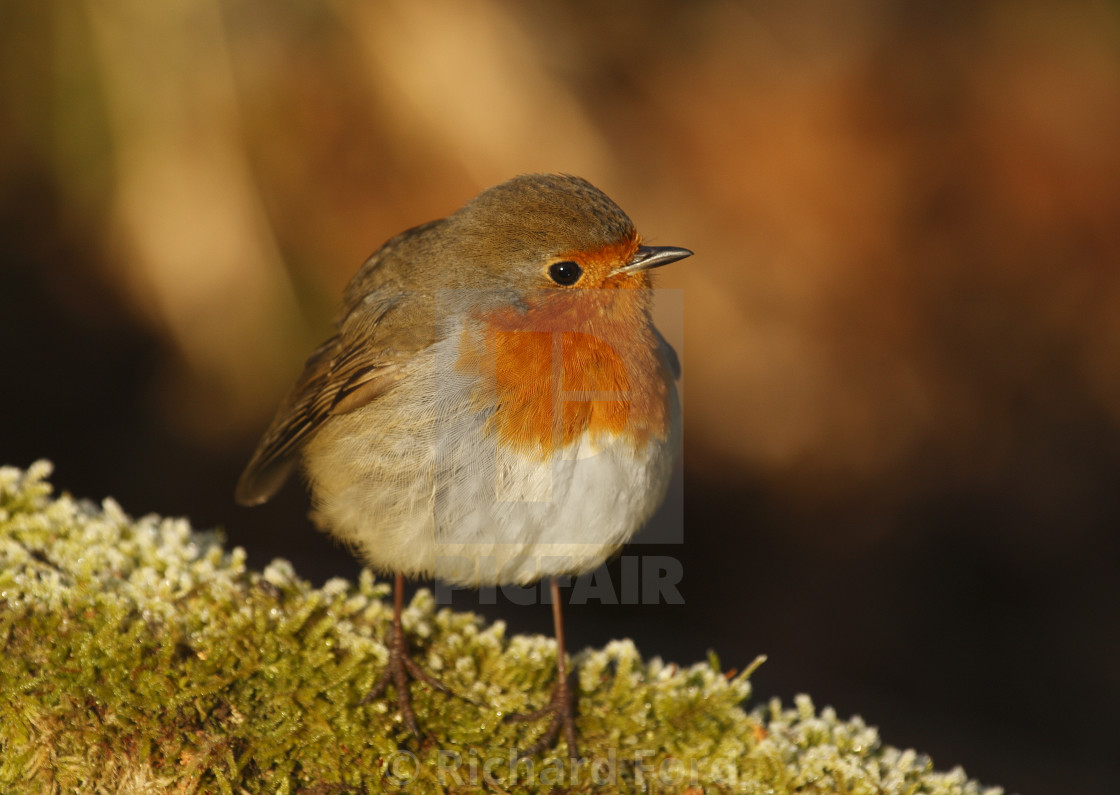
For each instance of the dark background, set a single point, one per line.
(901, 329)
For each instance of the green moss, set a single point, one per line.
(140, 656)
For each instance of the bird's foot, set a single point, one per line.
(559, 712)
(399, 670)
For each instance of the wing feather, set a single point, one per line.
(349, 370)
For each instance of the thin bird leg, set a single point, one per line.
(400, 667)
(560, 704)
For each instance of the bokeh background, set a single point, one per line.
(901, 328)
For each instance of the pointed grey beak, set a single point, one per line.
(647, 257)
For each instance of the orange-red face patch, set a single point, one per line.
(573, 361)
(598, 265)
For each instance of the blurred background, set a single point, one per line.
(901, 328)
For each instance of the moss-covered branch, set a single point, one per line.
(139, 656)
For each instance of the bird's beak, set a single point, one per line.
(647, 257)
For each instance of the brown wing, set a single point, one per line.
(335, 380)
(349, 370)
(384, 321)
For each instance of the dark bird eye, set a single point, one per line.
(565, 273)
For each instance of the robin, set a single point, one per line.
(496, 406)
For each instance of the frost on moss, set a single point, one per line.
(140, 656)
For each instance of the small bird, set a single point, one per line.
(495, 407)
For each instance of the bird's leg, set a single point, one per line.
(559, 706)
(400, 667)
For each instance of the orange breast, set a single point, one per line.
(576, 361)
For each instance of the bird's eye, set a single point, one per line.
(565, 273)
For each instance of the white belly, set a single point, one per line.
(430, 493)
